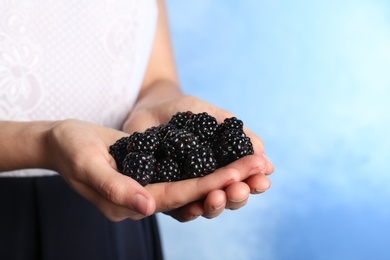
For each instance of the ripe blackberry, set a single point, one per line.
(167, 170)
(202, 125)
(230, 123)
(231, 145)
(163, 129)
(199, 162)
(146, 142)
(178, 143)
(180, 119)
(188, 146)
(140, 166)
(118, 150)
(209, 160)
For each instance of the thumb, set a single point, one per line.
(121, 190)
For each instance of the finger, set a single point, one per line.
(180, 193)
(111, 211)
(118, 188)
(270, 166)
(257, 143)
(214, 204)
(258, 183)
(258, 148)
(188, 212)
(237, 195)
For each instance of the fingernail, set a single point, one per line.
(238, 201)
(141, 204)
(219, 207)
(257, 191)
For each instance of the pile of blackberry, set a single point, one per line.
(190, 145)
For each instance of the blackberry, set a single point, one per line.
(162, 130)
(167, 170)
(209, 160)
(146, 142)
(188, 146)
(118, 151)
(231, 145)
(180, 119)
(230, 123)
(140, 166)
(178, 143)
(202, 125)
(199, 162)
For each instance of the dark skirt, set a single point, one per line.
(42, 218)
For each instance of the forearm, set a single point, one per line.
(22, 145)
(160, 83)
(158, 92)
(161, 66)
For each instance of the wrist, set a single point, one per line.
(23, 145)
(159, 90)
(150, 100)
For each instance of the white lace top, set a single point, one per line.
(81, 59)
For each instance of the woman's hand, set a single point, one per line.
(79, 152)
(151, 111)
(209, 195)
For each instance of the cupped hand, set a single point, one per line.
(209, 195)
(79, 152)
(232, 196)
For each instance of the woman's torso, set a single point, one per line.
(73, 59)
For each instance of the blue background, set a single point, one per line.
(312, 79)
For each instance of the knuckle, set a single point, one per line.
(233, 175)
(173, 201)
(111, 191)
(113, 216)
(173, 204)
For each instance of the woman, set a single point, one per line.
(75, 76)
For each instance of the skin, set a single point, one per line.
(78, 150)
